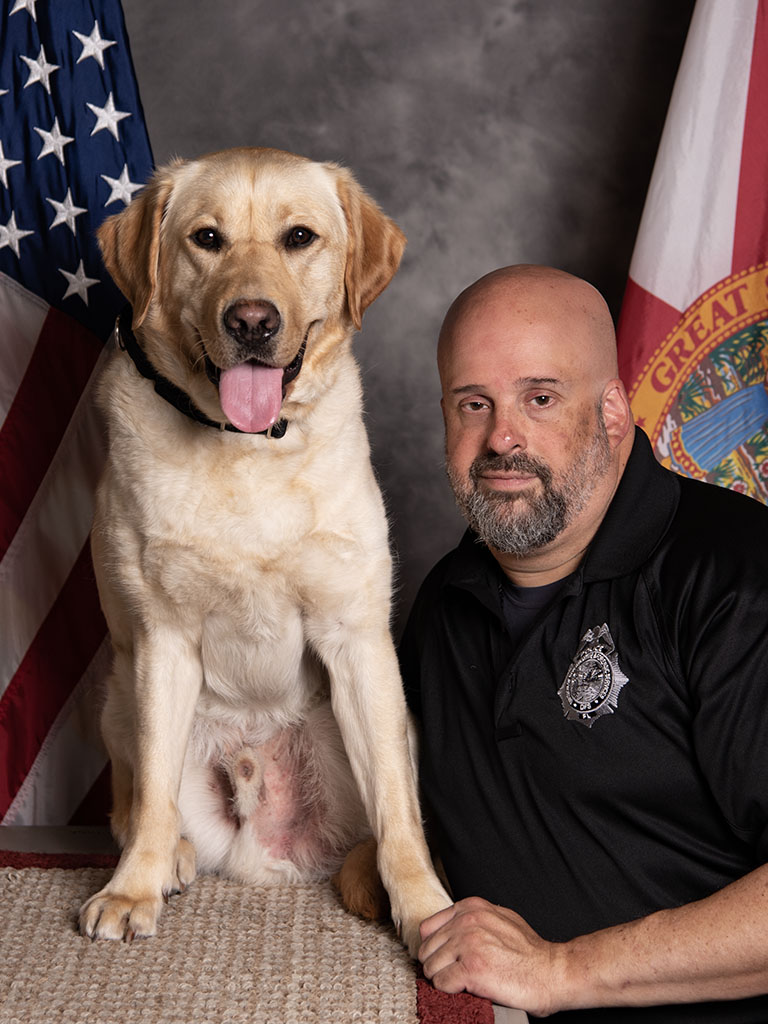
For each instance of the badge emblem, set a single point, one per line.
(594, 679)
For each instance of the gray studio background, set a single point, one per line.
(493, 131)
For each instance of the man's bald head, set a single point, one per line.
(528, 294)
(537, 424)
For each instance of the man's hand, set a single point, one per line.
(714, 948)
(489, 951)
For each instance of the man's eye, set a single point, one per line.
(542, 401)
(474, 406)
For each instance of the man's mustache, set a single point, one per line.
(516, 462)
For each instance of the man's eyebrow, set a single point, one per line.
(521, 382)
(538, 382)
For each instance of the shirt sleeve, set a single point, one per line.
(719, 580)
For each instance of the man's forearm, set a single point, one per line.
(716, 948)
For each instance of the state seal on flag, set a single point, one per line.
(702, 397)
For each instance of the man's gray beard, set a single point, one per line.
(538, 518)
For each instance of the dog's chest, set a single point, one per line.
(250, 547)
(246, 592)
(249, 574)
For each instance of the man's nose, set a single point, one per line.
(505, 435)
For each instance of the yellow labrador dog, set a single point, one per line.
(254, 716)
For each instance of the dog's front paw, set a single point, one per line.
(113, 915)
(410, 911)
(129, 905)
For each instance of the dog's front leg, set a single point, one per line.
(167, 681)
(368, 703)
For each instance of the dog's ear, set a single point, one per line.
(374, 250)
(130, 242)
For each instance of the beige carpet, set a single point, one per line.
(225, 954)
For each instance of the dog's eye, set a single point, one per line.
(207, 238)
(299, 236)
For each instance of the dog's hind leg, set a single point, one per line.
(359, 885)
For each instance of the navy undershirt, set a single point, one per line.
(521, 605)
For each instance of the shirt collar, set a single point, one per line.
(643, 506)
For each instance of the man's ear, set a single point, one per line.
(375, 246)
(130, 242)
(617, 413)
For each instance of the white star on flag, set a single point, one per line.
(79, 283)
(10, 235)
(93, 45)
(66, 211)
(39, 70)
(122, 187)
(5, 165)
(106, 116)
(25, 5)
(53, 142)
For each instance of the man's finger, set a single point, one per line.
(431, 924)
(450, 979)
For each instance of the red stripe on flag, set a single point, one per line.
(644, 322)
(56, 660)
(59, 369)
(750, 240)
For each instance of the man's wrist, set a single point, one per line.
(565, 975)
(576, 983)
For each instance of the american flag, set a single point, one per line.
(73, 149)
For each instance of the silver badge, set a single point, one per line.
(591, 687)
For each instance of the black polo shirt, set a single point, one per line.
(613, 761)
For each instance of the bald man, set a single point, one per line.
(589, 670)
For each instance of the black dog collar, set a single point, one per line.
(179, 399)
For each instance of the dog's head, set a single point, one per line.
(245, 269)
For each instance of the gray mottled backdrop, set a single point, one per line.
(493, 131)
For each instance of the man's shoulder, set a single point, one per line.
(715, 545)
(707, 512)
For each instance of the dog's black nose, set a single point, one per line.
(252, 321)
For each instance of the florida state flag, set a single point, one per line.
(693, 330)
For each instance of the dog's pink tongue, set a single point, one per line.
(251, 396)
